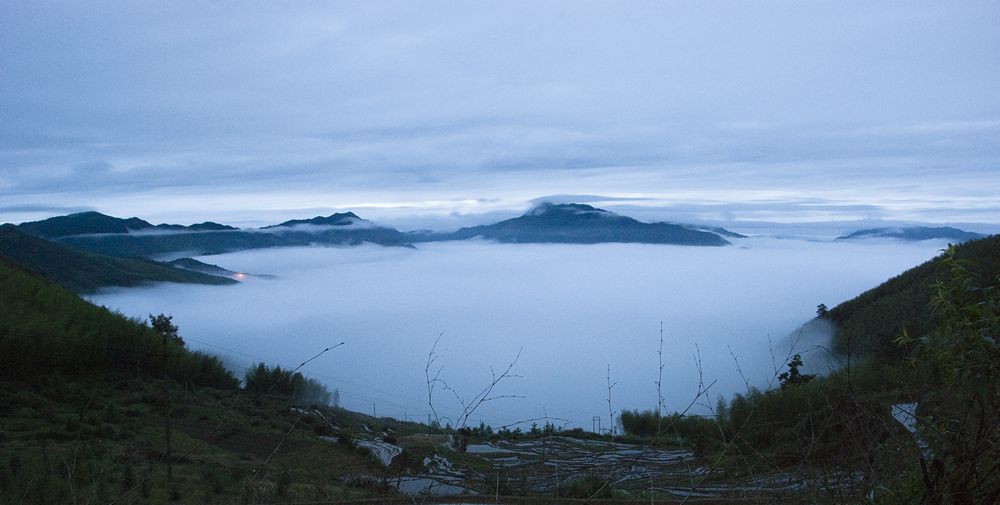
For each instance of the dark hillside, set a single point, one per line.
(94, 223)
(135, 238)
(335, 219)
(581, 224)
(45, 329)
(83, 223)
(83, 271)
(870, 322)
(914, 418)
(99, 408)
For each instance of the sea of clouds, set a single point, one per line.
(572, 311)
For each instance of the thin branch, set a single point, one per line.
(659, 379)
(432, 357)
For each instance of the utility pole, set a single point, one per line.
(170, 459)
(167, 406)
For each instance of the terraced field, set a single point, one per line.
(580, 468)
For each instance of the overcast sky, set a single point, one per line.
(254, 112)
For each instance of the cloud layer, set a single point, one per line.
(573, 309)
(233, 111)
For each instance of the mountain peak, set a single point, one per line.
(562, 209)
(88, 214)
(83, 223)
(577, 223)
(335, 219)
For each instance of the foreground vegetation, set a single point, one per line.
(99, 408)
(46, 330)
(914, 413)
(126, 441)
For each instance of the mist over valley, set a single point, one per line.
(574, 309)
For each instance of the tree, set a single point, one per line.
(262, 379)
(163, 324)
(793, 377)
(821, 310)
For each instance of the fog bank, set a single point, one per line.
(573, 309)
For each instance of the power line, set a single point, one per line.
(317, 374)
(410, 403)
(414, 404)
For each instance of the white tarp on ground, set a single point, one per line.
(383, 451)
(906, 414)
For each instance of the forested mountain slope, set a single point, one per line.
(83, 271)
(870, 322)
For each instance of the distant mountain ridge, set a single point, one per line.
(914, 233)
(569, 223)
(336, 219)
(134, 237)
(83, 271)
(92, 223)
(575, 223)
(206, 226)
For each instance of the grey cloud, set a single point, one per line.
(581, 199)
(733, 213)
(368, 102)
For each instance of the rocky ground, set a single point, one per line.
(569, 465)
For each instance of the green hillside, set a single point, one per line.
(869, 323)
(913, 414)
(84, 272)
(46, 329)
(99, 408)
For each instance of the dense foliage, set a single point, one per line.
(959, 418)
(45, 329)
(262, 379)
(855, 418)
(77, 440)
(913, 419)
(869, 323)
(647, 423)
(93, 404)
